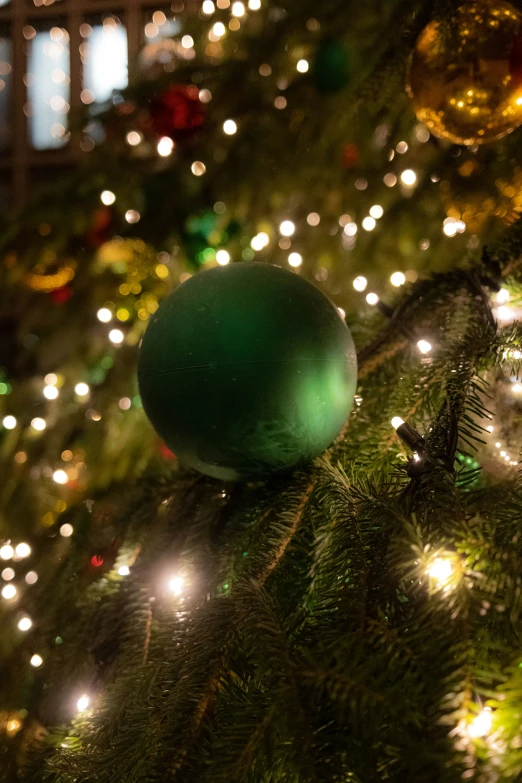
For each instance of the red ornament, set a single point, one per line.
(515, 62)
(61, 295)
(99, 231)
(177, 112)
(97, 561)
(350, 156)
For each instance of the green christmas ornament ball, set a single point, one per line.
(247, 370)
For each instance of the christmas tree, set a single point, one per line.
(328, 586)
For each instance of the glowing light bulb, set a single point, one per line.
(50, 392)
(397, 279)
(424, 346)
(25, 623)
(372, 299)
(133, 138)
(402, 147)
(260, 241)
(208, 7)
(238, 9)
(517, 388)
(481, 724)
(107, 197)
(286, 228)
(254, 5)
(198, 168)
(83, 703)
(390, 180)
(295, 259)
(222, 257)
(132, 216)
(51, 379)
(302, 66)
(38, 424)
(104, 315)
(229, 127)
(66, 530)
(165, 146)
(490, 428)
(22, 550)
(396, 422)
(187, 42)
(36, 660)
(60, 477)
(360, 283)
(6, 552)
(124, 570)
(313, 219)
(9, 592)
(369, 223)
(219, 29)
(31, 577)
(81, 389)
(176, 585)
(503, 296)
(8, 574)
(116, 336)
(9, 422)
(440, 570)
(350, 229)
(377, 211)
(408, 178)
(450, 228)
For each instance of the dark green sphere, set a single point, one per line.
(246, 370)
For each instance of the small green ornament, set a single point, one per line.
(331, 66)
(247, 370)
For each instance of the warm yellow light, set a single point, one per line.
(133, 138)
(8, 574)
(66, 530)
(116, 336)
(238, 9)
(229, 127)
(517, 388)
(450, 228)
(390, 180)
(313, 219)
(254, 5)
(503, 296)
(165, 146)
(38, 424)
(176, 585)
(6, 552)
(81, 389)
(440, 570)
(132, 216)
(424, 346)
(408, 177)
(350, 229)
(260, 241)
(50, 392)
(36, 660)
(25, 623)
(481, 724)
(368, 223)
(13, 726)
(302, 66)
(187, 42)
(107, 197)
(376, 211)
(402, 147)
(396, 422)
(104, 315)
(295, 259)
(219, 29)
(9, 422)
(60, 477)
(83, 703)
(51, 379)
(31, 577)
(124, 570)
(9, 592)
(222, 257)
(208, 7)
(397, 279)
(22, 550)
(360, 283)
(286, 228)
(372, 299)
(198, 168)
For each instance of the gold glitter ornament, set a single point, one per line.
(461, 77)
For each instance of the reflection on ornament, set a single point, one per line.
(471, 201)
(461, 78)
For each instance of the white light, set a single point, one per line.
(81, 389)
(116, 336)
(8, 574)
(31, 577)
(23, 550)
(360, 283)
(517, 388)
(502, 453)
(165, 146)
(376, 211)
(369, 224)
(286, 228)
(295, 259)
(176, 585)
(260, 241)
(38, 424)
(82, 703)
(372, 299)
(107, 197)
(441, 570)
(66, 530)
(219, 29)
(504, 313)
(498, 444)
(302, 66)
(254, 5)
(50, 392)
(25, 623)
(187, 42)
(125, 403)
(490, 428)
(397, 279)
(503, 296)
(342, 312)
(6, 552)
(313, 219)
(133, 138)
(424, 346)
(8, 592)
(517, 354)
(222, 257)
(60, 477)
(208, 7)
(396, 422)
(460, 226)
(230, 127)
(481, 724)
(51, 379)
(350, 229)
(104, 315)
(132, 216)
(402, 147)
(124, 570)
(9, 422)
(408, 177)
(36, 660)
(198, 168)
(238, 9)
(390, 180)
(450, 229)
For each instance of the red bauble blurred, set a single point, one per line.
(515, 62)
(100, 228)
(177, 112)
(350, 156)
(61, 295)
(166, 453)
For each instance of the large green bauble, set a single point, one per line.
(246, 370)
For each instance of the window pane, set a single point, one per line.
(48, 82)
(104, 57)
(162, 52)
(6, 55)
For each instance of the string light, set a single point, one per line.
(36, 660)
(60, 477)
(187, 42)
(424, 346)
(165, 146)
(6, 552)
(503, 296)
(490, 428)
(22, 550)
(397, 279)
(31, 577)
(81, 389)
(132, 216)
(9, 592)
(408, 177)
(390, 180)
(25, 624)
(83, 703)
(260, 241)
(133, 138)
(124, 570)
(104, 315)
(360, 283)
(350, 229)
(295, 259)
(9, 422)
(238, 9)
(302, 66)
(219, 29)
(402, 147)
(51, 379)
(481, 724)
(396, 422)
(516, 387)
(50, 392)
(313, 219)
(254, 5)
(372, 299)
(222, 257)
(229, 127)
(176, 585)
(38, 424)
(376, 211)
(208, 7)
(66, 530)
(198, 168)
(287, 228)
(369, 224)
(8, 574)
(116, 336)
(107, 197)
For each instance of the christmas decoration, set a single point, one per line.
(247, 370)
(331, 66)
(462, 81)
(177, 112)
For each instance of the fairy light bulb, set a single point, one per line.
(295, 259)
(116, 336)
(219, 29)
(369, 223)
(424, 346)
(481, 724)
(50, 392)
(133, 138)
(372, 299)
(302, 66)
(260, 241)
(6, 552)
(22, 550)
(360, 283)
(60, 477)
(8, 574)
(222, 257)
(104, 315)
(66, 530)
(81, 389)
(9, 592)
(397, 279)
(408, 178)
(9, 422)
(83, 703)
(31, 577)
(377, 211)
(440, 570)
(107, 197)
(36, 660)
(503, 296)
(208, 7)
(286, 228)
(38, 424)
(350, 229)
(396, 422)
(238, 9)
(25, 624)
(165, 146)
(176, 585)
(124, 570)
(198, 168)
(229, 127)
